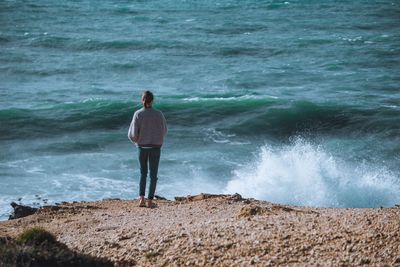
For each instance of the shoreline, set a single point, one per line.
(223, 230)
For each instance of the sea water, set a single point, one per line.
(294, 102)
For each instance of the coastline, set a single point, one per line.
(221, 230)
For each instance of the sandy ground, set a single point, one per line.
(221, 231)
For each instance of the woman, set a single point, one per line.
(148, 129)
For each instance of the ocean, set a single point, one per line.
(294, 102)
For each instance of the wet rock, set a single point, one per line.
(21, 211)
(236, 197)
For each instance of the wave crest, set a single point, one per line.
(242, 115)
(304, 174)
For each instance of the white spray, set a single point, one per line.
(304, 174)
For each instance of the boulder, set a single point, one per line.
(21, 211)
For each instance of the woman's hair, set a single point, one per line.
(147, 98)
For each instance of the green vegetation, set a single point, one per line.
(36, 236)
(38, 248)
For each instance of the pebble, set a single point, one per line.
(217, 232)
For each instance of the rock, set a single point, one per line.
(36, 247)
(21, 211)
(236, 197)
(364, 261)
(51, 207)
(210, 230)
(124, 237)
(247, 211)
(283, 208)
(159, 197)
(180, 198)
(202, 196)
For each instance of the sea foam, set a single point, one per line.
(305, 174)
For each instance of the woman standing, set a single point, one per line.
(148, 129)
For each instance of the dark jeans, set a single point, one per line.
(148, 159)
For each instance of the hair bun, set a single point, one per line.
(147, 97)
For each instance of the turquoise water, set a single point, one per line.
(294, 102)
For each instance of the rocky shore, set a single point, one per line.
(219, 230)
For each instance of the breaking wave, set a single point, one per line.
(305, 174)
(246, 115)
